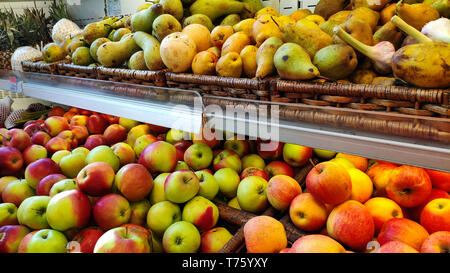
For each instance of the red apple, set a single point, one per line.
(239, 145)
(86, 239)
(409, 186)
(404, 230)
(79, 120)
(281, 190)
(112, 210)
(316, 243)
(56, 111)
(33, 153)
(396, 247)
(124, 152)
(214, 239)
(329, 182)
(24, 243)
(307, 213)
(227, 159)
(80, 132)
(414, 212)
(11, 236)
(96, 124)
(16, 191)
(296, 155)
(254, 171)
(32, 128)
(182, 145)
(380, 174)
(264, 234)
(159, 157)
(17, 138)
(57, 144)
(351, 224)
(68, 209)
(111, 119)
(46, 183)
(438, 242)
(278, 167)
(40, 138)
(134, 181)
(115, 133)
(95, 140)
(69, 115)
(56, 124)
(96, 179)
(70, 137)
(435, 215)
(11, 161)
(208, 136)
(440, 180)
(40, 169)
(122, 240)
(269, 149)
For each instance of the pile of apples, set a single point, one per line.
(81, 181)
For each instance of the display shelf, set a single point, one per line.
(10, 81)
(405, 139)
(137, 102)
(269, 120)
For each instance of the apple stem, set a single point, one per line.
(314, 165)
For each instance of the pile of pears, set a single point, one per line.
(380, 42)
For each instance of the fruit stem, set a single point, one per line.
(361, 47)
(314, 165)
(409, 30)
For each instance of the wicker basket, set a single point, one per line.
(39, 66)
(400, 99)
(221, 86)
(238, 218)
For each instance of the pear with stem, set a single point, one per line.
(381, 53)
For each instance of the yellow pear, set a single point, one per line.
(220, 34)
(245, 26)
(248, 56)
(235, 43)
(267, 11)
(265, 27)
(204, 63)
(229, 65)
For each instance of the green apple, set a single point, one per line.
(174, 135)
(181, 237)
(156, 244)
(157, 194)
(161, 215)
(234, 203)
(141, 142)
(82, 150)
(228, 180)
(16, 191)
(8, 214)
(103, 153)
(201, 212)
(198, 156)
(57, 156)
(63, 185)
(33, 212)
(72, 164)
(240, 146)
(324, 154)
(128, 123)
(181, 186)
(209, 187)
(253, 160)
(181, 165)
(47, 241)
(139, 212)
(251, 194)
(215, 239)
(344, 162)
(123, 240)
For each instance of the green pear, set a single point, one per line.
(164, 25)
(310, 39)
(216, 8)
(143, 20)
(151, 47)
(114, 54)
(264, 57)
(93, 31)
(199, 19)
(174, 7)
(230, 20)
(119, 33)
(293, 63)
(137, 61)
(95, 45)
(336, 61)
(250, 8)
(82, 56)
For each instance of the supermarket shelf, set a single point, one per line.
(188, 111)
(138, 102)
(402, 150)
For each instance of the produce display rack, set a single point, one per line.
(407, 139)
